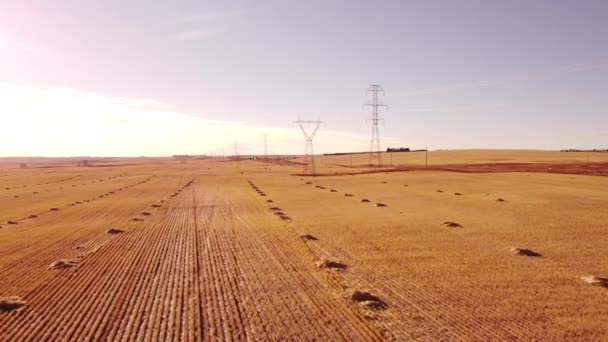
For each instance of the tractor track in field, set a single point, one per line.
(194, 269)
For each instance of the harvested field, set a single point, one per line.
(216, 261)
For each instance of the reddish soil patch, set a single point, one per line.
(594, 169)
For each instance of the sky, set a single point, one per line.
(157, 78)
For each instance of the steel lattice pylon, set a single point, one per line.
(309, 128)
(375, 151)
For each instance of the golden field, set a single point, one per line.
(207, 249)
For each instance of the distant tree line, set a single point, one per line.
(398, 149)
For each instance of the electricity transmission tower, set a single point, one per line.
(375, 153)
(236, 155)
(266, 148)
(309, 128)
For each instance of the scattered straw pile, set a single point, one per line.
(64, 264)
(115, 231)
(330, 264)
(8, 304)
(308, 237)
(368, 300)
(451, 224)
(595, 281)
(524, 252)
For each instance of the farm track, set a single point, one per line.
(203, 266)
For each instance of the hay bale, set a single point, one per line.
(156, 205)
(145, 213)
(524, 252)
(308, 237)
(64, 264)
(54, 209)
(330, 264)
(381, 205)
(368, 300)
(115, 231)
(595, 281)
(348, 195)
(269, 201)
(279, 213)
(500, 200)
(451, 224)
(384, 182)
(275, 209)
(32, 216)
(8, 304)
(308, 182)
(333, 190)
(457, 194)
(365, 200)
(12, 222)
(137, 219)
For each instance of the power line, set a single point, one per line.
(375, 151)
(309, 128)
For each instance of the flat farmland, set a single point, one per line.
(206, 250)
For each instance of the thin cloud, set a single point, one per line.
(205, 25)
(210, 17)
(194, 34)
(519, 77)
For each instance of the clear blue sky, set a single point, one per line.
(457, 74)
